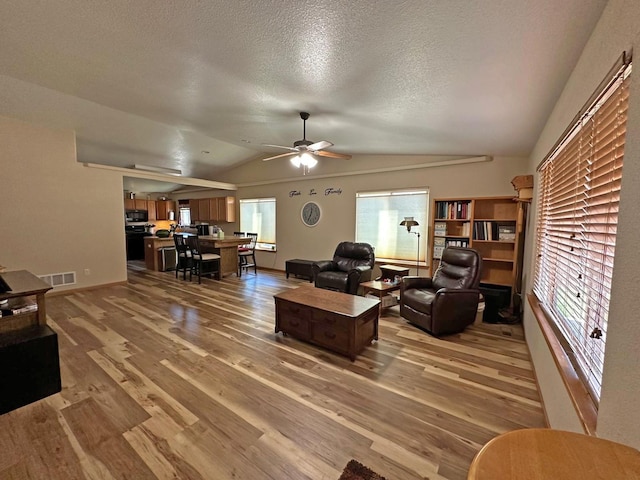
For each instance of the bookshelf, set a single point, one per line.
(490, 225)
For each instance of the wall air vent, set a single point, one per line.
(59, 279)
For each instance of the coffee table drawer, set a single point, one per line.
(293, 319)
(330, 330)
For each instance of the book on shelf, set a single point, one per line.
(452, 210)
(506, 233)
(439, 242)
(457, 243)
(484, 230)
(437, 252)
(440, 229)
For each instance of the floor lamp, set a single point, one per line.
(410, 222)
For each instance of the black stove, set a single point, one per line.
(135, 241)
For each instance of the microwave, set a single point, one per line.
(136, 215)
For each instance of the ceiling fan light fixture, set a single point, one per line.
(304, 160)
(308, 160)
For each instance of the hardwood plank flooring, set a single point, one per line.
(164, 378)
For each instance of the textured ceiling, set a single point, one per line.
(158, 83)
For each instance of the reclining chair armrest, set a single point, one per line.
(322, 266)
(361, 273)
(415, 282)
(357, 275)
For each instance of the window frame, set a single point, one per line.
(585, 380)
(422, 228)
(261, 245)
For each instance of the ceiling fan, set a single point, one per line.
(303, 151)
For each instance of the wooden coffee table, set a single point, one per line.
(343, 323)
(381, 289)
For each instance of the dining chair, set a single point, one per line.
(184, 259)
(247, 258)
(203, 263)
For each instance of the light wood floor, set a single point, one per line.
(164, 378)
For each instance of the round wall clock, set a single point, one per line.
(311, 214)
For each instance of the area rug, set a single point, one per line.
(356, 471)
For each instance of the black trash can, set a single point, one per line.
(496, 297)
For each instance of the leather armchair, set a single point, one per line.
(447, 302)
(352, 264)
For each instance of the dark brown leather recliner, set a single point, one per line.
(352, 264)
(447, 302)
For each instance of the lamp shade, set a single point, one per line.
(409, 222)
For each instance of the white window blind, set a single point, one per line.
(378, 217)
(258, 215)
(579, 194)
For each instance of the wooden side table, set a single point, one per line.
(545, 454)
(390, 271)
(381, 290)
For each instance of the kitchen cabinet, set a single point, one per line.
(211, 210)
(195, 211)
(223, 209)
(164, 209)
(204, 210)
(151, 210)
(135, 204)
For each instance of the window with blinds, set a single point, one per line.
(578, 199)
(378, 217)
(258, 215)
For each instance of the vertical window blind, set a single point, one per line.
(578, 200)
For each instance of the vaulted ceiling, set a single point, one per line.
(201, 85)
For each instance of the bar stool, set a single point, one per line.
(247, 258)
(201, 260)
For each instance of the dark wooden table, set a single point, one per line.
(343, 323)
(381, 290)
(24, 284)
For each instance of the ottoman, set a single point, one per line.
(299, 268)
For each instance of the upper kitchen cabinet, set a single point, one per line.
(217, 209)
(204, 210)
(195, 211)
(225, 209)
(165, 210)
(135, 204)
(151, 210)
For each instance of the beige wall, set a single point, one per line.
(295, 240)
(57, 215)
(617, 30)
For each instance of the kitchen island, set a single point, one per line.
(227, 248)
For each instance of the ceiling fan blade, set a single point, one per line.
(319, 145)
(324, 153)
(280, 156)
(280, 146)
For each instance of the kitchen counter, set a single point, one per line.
(152, 246)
